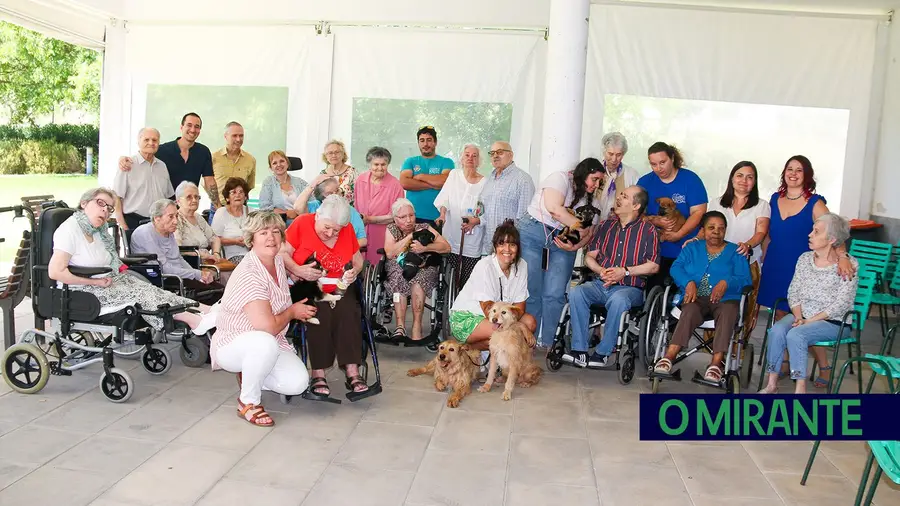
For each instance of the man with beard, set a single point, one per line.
(423, 176)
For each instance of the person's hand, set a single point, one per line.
(472, 223)
(612, 275)
(845, 268)
(441, 220)
(309, 273)
(564, 245)
(667, 236)
(690, 293)
(744, 249)
(718, 291)
(302, 311)
(291, 214)
(692, 239)
(667, 224)
(125, 163)
(319, 179)
(349, 277)
(798, 322)
(417, 248)
(206, 276)
(102, 282)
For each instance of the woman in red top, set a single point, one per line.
(327, 233)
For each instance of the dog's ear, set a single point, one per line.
(516, 311)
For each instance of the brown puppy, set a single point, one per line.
(668, 209)
(510, 347)
(453, 366)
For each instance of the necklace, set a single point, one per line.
(798, 197)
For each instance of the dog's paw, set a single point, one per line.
(507, 395)
(440, 387)
(484, 388)
(412, 372)
(453, 402)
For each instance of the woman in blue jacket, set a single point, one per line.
(711, 274)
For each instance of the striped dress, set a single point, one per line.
(250, 281)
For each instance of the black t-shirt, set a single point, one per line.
(198, 164)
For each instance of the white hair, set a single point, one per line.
(141, 132)
(836, 228)
(159, 207)
(183, 187)
(462, 152)
(334, 208)
(614, 139)
(400, 204)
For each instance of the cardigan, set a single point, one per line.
(693, 262)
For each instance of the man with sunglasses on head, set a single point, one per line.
(505, 195)
(146, 182)
(423, 176)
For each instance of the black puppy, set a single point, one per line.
(585, 215)
(312, 290)
(412, 262)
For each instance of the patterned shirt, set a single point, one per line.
(634, 244)
(817, 289)
(705, 290)
(505, 197)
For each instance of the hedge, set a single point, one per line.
(79, 137)
(39, 157)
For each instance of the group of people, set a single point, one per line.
(504, 234)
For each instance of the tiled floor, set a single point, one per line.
(572, 440)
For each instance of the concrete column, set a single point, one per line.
(564, 85)
(115, 104)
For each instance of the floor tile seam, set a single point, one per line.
(424, 451)
(111, 421)
(834, 464)
(236, 462)
(509, 449)
(584, 422)
(397, 423)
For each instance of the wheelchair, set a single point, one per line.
(627, 350)
(379, 303)
(78, 339)
(664, 317)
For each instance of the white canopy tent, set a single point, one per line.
(783, 76)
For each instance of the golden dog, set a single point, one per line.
(455, 365)
(510, 346)
(668, 209)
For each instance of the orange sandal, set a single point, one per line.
(253, 413)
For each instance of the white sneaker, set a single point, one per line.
(207, 322)
(485, 360)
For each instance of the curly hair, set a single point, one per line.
(231, 184)
(336, 143)
(584, 169)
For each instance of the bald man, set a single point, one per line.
(146, 182)
(506, 193)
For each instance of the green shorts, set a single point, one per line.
(463, 323)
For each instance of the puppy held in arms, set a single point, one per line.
(316, 290)
(510, 347)
(668, 209)
(454, 366)
(585, 215)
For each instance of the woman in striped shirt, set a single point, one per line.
(256, 310)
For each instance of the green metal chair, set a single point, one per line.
(253, 204)
(883, 300)
(873, 257)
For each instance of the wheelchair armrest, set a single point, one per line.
(747, 290)
(188, 249)
(86, 272)
(177, 278)
(213, 268)
(138, 259)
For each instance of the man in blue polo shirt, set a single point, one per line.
(186, 159)
(423, 176)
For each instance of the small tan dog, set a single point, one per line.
(668, 209)
(510, 346)
(453, 366)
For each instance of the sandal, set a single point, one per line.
(355, 381)
(663, 366)
(319, 387)
(254, 413)
(713, 373)
(820, 381)
(399, 336)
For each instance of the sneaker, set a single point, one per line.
(485, 360)
(598, 360)
(207, 322)
(576, 358)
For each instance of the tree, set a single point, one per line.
(39, 74)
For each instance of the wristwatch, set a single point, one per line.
(627, 273)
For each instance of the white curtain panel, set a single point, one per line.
(744, 58)
(438, 65)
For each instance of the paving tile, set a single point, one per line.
(626, 484)
(107, 455)
(399, 380)
(485, 403)
(535, 459)
(87, 413)
(178, 474)
(616, 405)
(369, 488)
(851, 466)
(542, 494)
(35, 445)
(554, 387)
(471, 433)
(287, 460)
(153, 424)
(385, 446)
(8, 427)
(459, 478)
(788, 457)
(22, 408)
(620, 442)
(322, 418)
(204, 379)
(236, 493)
(406, 407)
(189, 401)
(223, 429)
(542, 418)
(819, 490)
(711, 500)
(10, 473)
(51, 486)
(705, 468)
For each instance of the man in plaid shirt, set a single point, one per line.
(505, 195)
(625, 251)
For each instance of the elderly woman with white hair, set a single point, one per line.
(193, 231)
(84, 240)
(398, 243)
(328, 237)
(618, 175)
(459, 203)
(158, 238)
(256, 311)
(818, 297)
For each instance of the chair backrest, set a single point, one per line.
(863, 300)
(895, 279)
(252, 204)
(34, 202)
(296, 163)
(872, 256)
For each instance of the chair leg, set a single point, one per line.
(834, 361)
(859, 370)
(9, 322)
(867, 470)
(873, 486)
(809, 462)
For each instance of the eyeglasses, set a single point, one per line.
(104, 205)
(498, 152)
(333, 153)
(191, 197)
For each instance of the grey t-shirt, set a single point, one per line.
(143, 185)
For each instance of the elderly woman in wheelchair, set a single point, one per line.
(712, 276)
(819, 299)
(83, 240)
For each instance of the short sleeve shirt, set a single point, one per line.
(249, 282)
(302, 236)
(143, 185)
(423, 200)
(487, 282)
(69, 238)
(742, 227)
(686, 190)
(356, 221)
(561, 182)
(197, 166)
(224, 168)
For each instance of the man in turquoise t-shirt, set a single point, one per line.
(423, 176)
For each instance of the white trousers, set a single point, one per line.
(263, 365)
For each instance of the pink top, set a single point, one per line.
(250, 281)
(376, 199)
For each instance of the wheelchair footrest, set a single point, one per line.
(669, 376)
(701, 380)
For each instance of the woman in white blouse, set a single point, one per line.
(459, 202)
(747, 220)
(193, 231)
(229, 220)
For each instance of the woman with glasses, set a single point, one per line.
(335, 158)
(549, 256)
(193, 231)
(229, 220)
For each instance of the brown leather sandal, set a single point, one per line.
(253, 413)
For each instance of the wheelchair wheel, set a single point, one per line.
(194, 351)
(116, 386)
(81, 337)
(651, 327)
(156, 361)
(556, 350)
(654, 385)
(25, 368)
(626, 371)
(733, 384)
(746, 373)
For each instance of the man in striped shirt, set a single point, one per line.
(625, 252)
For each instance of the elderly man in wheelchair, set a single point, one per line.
(713, 279)
(626, 250)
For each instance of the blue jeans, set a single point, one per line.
(546, 289)
(617, 298)
(796, 340)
